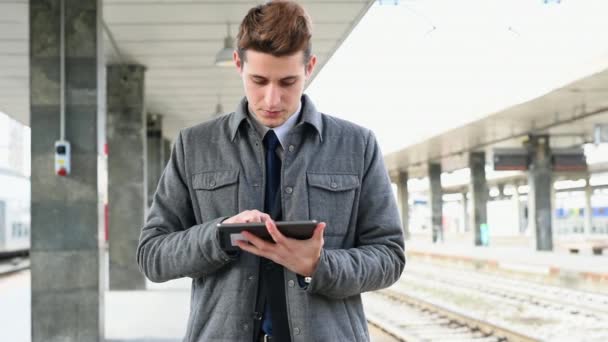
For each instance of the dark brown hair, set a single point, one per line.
(280, 28)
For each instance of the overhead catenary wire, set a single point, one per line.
(62, 70)
(113, 42)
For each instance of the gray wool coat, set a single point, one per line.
(333, 171)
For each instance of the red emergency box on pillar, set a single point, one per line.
(62, 158)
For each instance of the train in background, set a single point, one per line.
(14, 214)
(507, 217)
(570, 212)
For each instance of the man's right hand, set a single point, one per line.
(248, 216)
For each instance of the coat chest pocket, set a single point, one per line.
(331, 199)
(217, 193)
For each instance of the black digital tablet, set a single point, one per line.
(229, 233)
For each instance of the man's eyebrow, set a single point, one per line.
(287, 78)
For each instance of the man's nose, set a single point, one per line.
(272, 97)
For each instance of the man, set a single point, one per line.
(275, 158)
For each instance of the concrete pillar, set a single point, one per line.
(127, 188)
(154, 145)
(404, 202)
(518, 210)
(479, 194)
(540, 179)
(436, 201)
(588, 208)
(66, 273)
(166, 151)
(465, 213)
(501, 190)
(530, 223)
(3, 230)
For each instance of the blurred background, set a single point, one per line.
(492, 116)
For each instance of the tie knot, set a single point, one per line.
(271, 141)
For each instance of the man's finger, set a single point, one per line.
(256, 215)
(274, 232)
(244, 245)
(262, 249)
(265, 217)
(257, 241)
(254, 239)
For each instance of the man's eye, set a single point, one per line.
(288, 84)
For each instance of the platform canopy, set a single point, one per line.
(177, 41)
(568, 114)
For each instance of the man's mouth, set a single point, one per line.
(272, 112)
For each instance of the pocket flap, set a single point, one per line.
(214, 179)
(333, 182)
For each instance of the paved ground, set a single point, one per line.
(121, 308)
(518, 259)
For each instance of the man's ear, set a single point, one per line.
(310, 67)
(237, 62)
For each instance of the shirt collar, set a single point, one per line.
(280, 131)
(308, 114)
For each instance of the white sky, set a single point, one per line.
(14, 148)
(407, 81)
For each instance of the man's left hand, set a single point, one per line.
(298, 256)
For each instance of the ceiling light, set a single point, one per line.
(224, 56)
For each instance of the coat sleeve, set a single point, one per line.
(171, 244)
(378, 258)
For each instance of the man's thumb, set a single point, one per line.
(318, 234)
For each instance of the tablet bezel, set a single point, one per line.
(229, 232)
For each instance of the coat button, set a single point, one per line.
(296, 331)
(291, 283)
(288, 189)
(291, 148)
(251, 277)
(212, 183)
(333, 185)
(245, 326)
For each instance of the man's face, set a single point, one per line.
(273, 85)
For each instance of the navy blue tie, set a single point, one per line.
(275, 310)
(272, 201)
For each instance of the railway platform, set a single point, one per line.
(515, 258)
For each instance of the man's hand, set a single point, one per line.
(298, 256)
(248, 216)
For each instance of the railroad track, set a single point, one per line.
(407, 318)
(12, 265)
(517, 310)
(569, 301)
